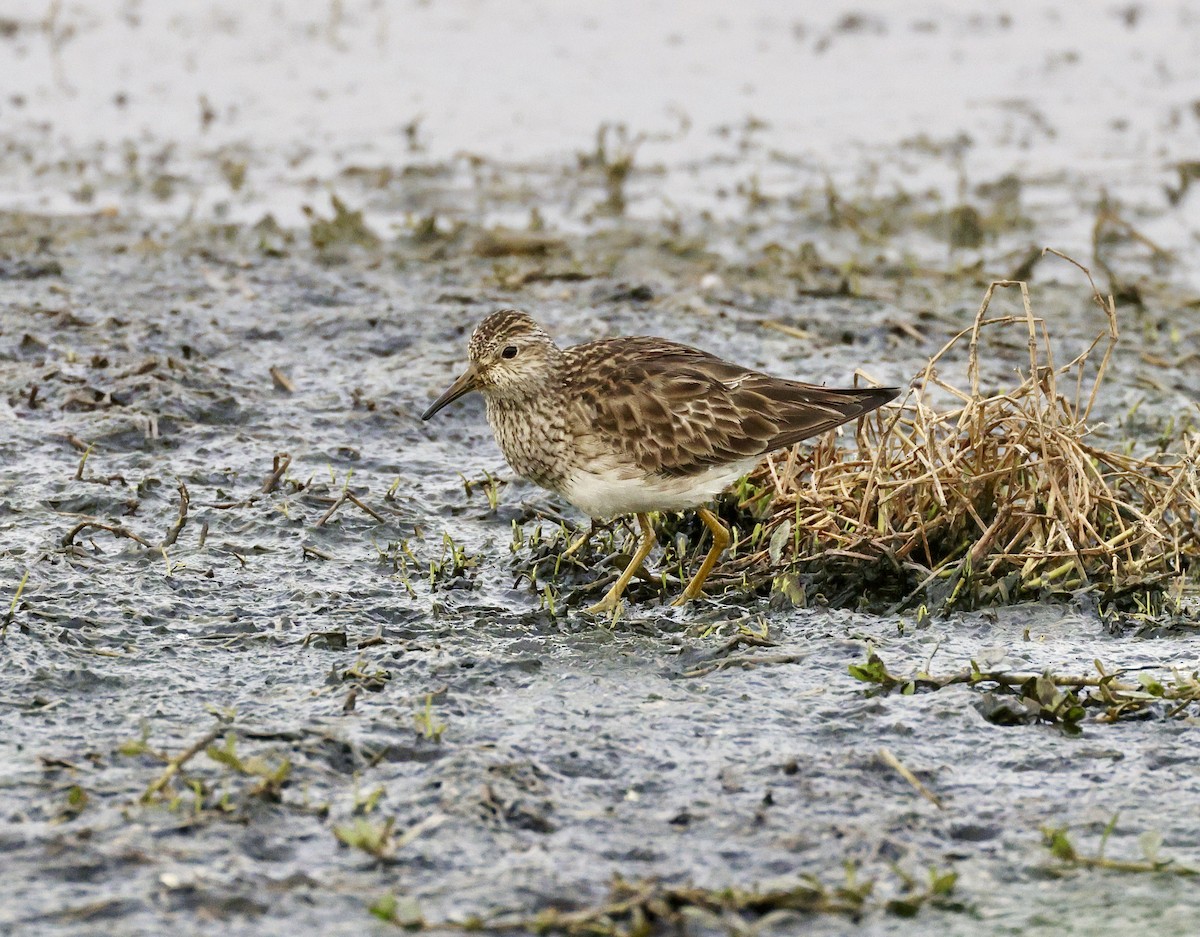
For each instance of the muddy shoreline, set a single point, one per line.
(402, 677)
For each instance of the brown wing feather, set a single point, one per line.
(676, 410)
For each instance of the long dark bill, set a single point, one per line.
(464, 385)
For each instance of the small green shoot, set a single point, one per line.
(428, 725)
(12, 608)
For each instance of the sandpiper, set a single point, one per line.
(638, 424)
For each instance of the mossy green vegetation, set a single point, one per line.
(1068, 856)
(646, 906)
(1069, 702)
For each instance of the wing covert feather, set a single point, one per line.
(675, 410)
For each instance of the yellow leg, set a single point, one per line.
(612, 598)
(721, 539)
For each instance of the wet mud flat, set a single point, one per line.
(274, 666)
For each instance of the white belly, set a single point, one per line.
(611, 493)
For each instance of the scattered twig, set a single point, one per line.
(115, 529)
(889, 759)
(179, 761)
(181, 521)
(358, 501)
(338, 502)
(280, 465)
(353, 499)
(282, 381)
(789, 330)
(725, 663)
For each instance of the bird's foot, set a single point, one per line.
(686, 596)
(610, 604)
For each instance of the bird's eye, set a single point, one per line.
(510, 351)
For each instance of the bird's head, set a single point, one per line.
(511, 359)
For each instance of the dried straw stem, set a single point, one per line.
(1001, 488)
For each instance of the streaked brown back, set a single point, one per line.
(676, 410)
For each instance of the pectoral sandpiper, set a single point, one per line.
(638, 424)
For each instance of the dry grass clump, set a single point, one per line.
(992, 498)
